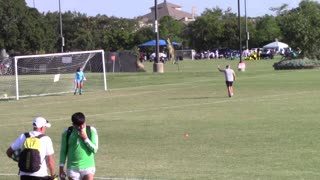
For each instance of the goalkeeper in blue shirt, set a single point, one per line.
(79, 78)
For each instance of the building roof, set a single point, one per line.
(169, 9)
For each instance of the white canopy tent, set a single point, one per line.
(276, 45)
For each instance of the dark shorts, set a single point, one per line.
(24, 177)
(229, 83)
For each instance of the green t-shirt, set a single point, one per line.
(80, 153)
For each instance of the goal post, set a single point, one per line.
(51, 74)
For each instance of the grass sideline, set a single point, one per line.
(268, 130)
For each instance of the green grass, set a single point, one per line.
(268, 130)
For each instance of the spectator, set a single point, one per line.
(46, 151)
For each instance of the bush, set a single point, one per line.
(296, 64)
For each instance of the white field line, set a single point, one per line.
(4, 174)
(279, 97)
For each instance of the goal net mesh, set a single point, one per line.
(7, 79)
(52, 74)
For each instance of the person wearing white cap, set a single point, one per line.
(46, 151)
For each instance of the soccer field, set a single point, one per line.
(181, 124)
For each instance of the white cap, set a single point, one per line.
(40, 122)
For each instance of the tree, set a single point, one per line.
(9, 22)
(206, 31)
(279, 10)
(170, 28)
(230, 34)
(301, 28)
(119, 34)
(53, 40)
(143, 34)
(267, 30)
(81, 37)
(36, 33)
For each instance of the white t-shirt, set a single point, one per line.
(45, 150)
(229, 75)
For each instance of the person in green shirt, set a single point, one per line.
(79, 144)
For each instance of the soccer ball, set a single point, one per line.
(5, 95)
(16, 154)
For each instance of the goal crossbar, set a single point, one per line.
(82, 64)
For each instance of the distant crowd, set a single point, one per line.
(218, 53)
(248, 54)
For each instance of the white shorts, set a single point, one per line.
(78, 174)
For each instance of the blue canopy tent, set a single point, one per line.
(161, 43)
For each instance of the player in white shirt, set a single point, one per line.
(46, 151)
(230, 77)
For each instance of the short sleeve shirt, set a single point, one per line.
(45, 150)
(229, 75)
(79, 76)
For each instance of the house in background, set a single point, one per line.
(168, 9)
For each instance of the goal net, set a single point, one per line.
(51, 74)
(7, 79)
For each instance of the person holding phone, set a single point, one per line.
(78, 149)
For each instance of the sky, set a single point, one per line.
(134, 8)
